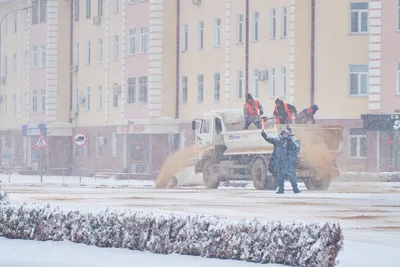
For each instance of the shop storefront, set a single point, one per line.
(386, 128)
(147, 144)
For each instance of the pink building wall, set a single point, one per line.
(136, 65)
(390, 56)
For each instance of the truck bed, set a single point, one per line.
(251, 141)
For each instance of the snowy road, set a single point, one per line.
(368, 212)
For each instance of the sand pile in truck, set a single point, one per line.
(176, 163)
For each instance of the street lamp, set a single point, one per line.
(1, 34)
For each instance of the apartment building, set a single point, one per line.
(132, 74)
(32, 93)
(300, 52)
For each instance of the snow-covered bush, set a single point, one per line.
(294, 244)
(3, 196)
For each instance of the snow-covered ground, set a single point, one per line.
(23, 253)
(369, 213)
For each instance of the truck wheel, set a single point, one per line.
(173, 182)
(317, 184)
(262, 178)
(210, 179)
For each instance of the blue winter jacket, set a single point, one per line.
(284, 157)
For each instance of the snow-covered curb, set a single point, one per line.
(368, 177)
(294, 244)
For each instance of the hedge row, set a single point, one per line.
(294, 244)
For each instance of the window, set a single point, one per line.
(131, 90)
(217, 32)
(43, 10)
(205, 126)
(87, 100)
(256, 18)
(283, 81)
(15, 22)
(76, 9)
(34, 101)
(114, 144)
(272, 85)
(100, 96)
(217, 87)
(116, 48)
(184, 89)
(14, 105)
(239, 85)
(284, 23)
(88, 9)
(99, 151)
(5, 72)
(358, 79)
(359, 17)
(358, 143)
(398, 77)
(26, 19)
(273, 23)
(143, 90)
(116, 5)
(99, 7)
(35, 15)
(144, 39)
(43, 100)
(5, 27)
(43, 55)
(240, 28)
(115, 99)
(5, 104)
(185, 37)
(200, 88)
(88, 52)
(200, 35)
(99, 50)
(15, 64)
(76, 54)
(132, 42)
(256, 85)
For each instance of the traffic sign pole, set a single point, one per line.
(41, 173)
(41, 143)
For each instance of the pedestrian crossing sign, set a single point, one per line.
(41, 142)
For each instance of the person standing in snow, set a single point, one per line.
(252, 111)
(283, 162)
(307, 115)
(284, 112)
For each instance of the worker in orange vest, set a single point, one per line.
(284, 112)
(252, 111)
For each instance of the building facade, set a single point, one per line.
(132, 74)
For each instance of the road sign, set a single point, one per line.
(79, 139)
(41, 142)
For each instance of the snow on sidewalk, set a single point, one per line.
(22, 253)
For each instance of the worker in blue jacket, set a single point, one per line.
(283, 162)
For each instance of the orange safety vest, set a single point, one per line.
(285, 105)
(250, 108)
